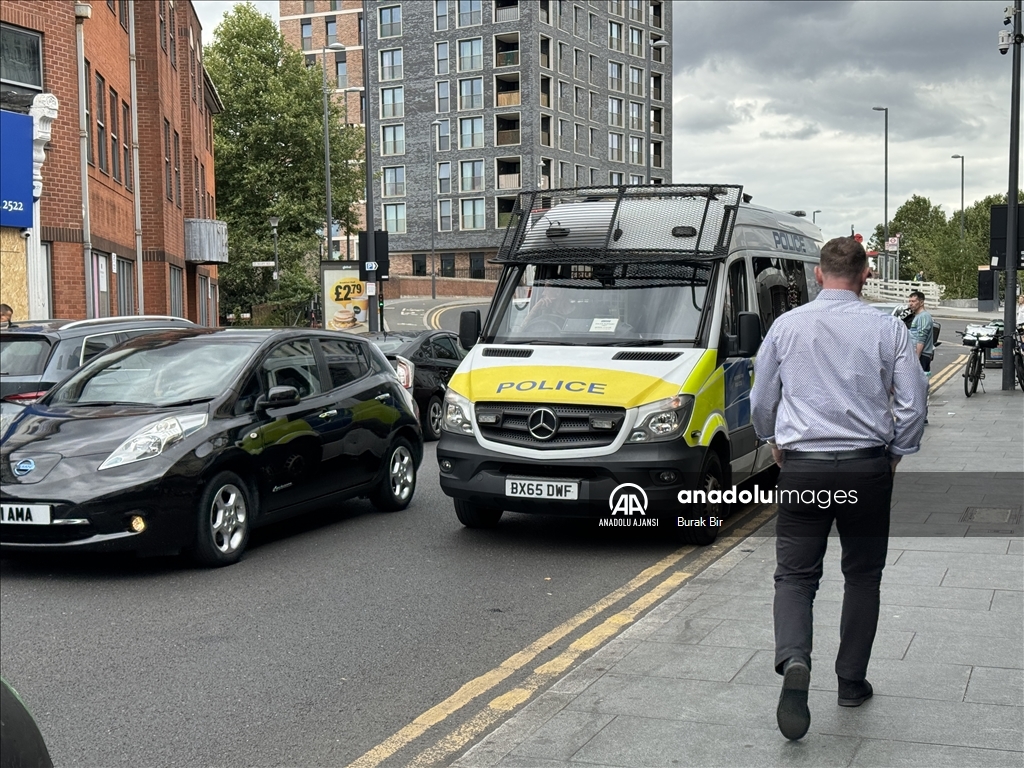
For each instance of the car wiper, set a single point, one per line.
(192, 401)
(100, 403)
(541, 342)
(649, 342)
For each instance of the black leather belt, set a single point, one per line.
(861, 453)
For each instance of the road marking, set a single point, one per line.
(947, 373)
(611, 626)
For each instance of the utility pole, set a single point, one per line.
(1012, 246)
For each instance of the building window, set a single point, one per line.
(394, 218)
(192, 62)
(636, 81)
(614, 76)
(442, 58)
(419, 265)
(393, 140)
(88, 113)
(341, 69)
(392, 102)
(615, 147)
(332, 29)
(636, 150)
(202, 189)
(125, 287)
(444, 136)
(101, 123)
(21, 60)
(394, 181)
(391, 64)
(636, 116)
(615, 178)
(162, 22)
(126, 144)
(615, 7)
(471, 93)
(115, 145)
(307, 34)
(473, 214)
(471, 55)
(101, 284)
(471, 174)
(177, 169)
(471, 132)
(614, 36)
(444, 215)
(444, 100)
(122, 13)
(444, 178)
(171, 34)
(440, 15)
(470, 13)
(636, 179)
(636, 11)
(202, 299)
(195, 187)
(308, 6)
(636, 42)
(447, 265)
(177, 292)
(390, 21)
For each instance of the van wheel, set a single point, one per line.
(710, 480)
(223, 520)
(474, 516)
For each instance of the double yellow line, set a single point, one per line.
(549, 671)
(947, 373)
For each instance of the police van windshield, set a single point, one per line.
(601, 304)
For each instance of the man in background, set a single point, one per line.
(6, 313)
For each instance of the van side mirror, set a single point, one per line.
(469, 328)
(749, 334)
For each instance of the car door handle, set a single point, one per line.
(382, 398)
(328, 414)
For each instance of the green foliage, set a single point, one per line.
(269, 152)
(931, 243)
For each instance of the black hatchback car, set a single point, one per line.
(435, 355)
(186, 439)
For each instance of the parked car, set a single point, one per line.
(902, 311)
(187, 439)
(36, 354)
(434, 356)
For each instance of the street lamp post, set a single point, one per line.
(329, 232)
(433, 215)
(961, 159)
(661, 45)
(885, 205)
(814, 216)
(273, 228)
(1012, 15)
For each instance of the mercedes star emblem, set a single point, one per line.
(543, 423)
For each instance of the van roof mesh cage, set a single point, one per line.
(587, 225)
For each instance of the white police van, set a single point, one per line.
(618, 352)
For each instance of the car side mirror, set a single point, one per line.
(469, 328)
(279, 397)
(749, 334)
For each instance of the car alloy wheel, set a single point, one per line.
(397, 483)
(434, 412)
(229, 519)
(223, 519)
(403, 473)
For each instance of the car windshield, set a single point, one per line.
(176, 372)
(23, 356)
(613, 305)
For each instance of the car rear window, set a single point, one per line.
(23, 356)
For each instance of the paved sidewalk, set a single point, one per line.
(692, 683)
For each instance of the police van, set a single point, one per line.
(611, 375)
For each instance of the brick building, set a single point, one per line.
(148, 169)
(473, 101)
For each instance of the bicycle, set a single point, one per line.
(978, 338)
(1017, 340)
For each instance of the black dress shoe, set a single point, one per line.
(793, 716)
(853, 693)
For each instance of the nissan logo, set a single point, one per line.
(23, 467)
(543, 423)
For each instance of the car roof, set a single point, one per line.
(58, 328)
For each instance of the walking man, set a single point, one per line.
(840, 396)
(921, 331)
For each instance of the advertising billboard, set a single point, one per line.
(346, 306)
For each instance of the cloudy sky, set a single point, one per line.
(777, 96)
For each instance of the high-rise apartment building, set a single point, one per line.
(473, 101)
(124, 216)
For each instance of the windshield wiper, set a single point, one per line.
(649, 342)
(100, 403)
(179, 403)
(547, 342)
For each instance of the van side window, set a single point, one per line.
(781, 286)
(735, 297)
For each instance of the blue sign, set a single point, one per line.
(15, 170)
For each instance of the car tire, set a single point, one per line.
(223, 520)
(397, 486)
(711, 478)
(475, 516)
(432, 418)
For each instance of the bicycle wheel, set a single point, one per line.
(972, 374)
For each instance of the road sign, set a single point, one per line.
(892, 244)
(263, 263)
(371, 289)
(371, 266)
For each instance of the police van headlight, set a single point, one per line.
(663, 420)
(456, 414)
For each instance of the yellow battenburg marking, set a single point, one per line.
(562, 384)
(707, 383)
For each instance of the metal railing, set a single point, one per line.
(508, 13)
(507, 59)
(508, 137)
(509, 181)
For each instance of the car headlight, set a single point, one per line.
(153, 439)
(663, 420)
(456, 414)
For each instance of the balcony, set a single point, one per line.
(506, 13)
(504, 219)
(508, 99)
(206, 241)
(508, 137)
(507, 59)
(509, 181)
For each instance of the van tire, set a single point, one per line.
(710, 479)
(475, 516)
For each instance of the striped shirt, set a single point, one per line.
(836, 375)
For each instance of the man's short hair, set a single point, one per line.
(5, 309)
(843, 257)
(917, 295)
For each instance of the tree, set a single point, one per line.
(913, 222)
(269, 151)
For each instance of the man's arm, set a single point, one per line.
(766, 393)
(910, 399)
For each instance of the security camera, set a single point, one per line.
(1005, 39)
(1008, 15)
(26, 233)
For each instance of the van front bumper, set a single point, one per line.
(478, 475)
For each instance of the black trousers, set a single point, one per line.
(856, 494)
